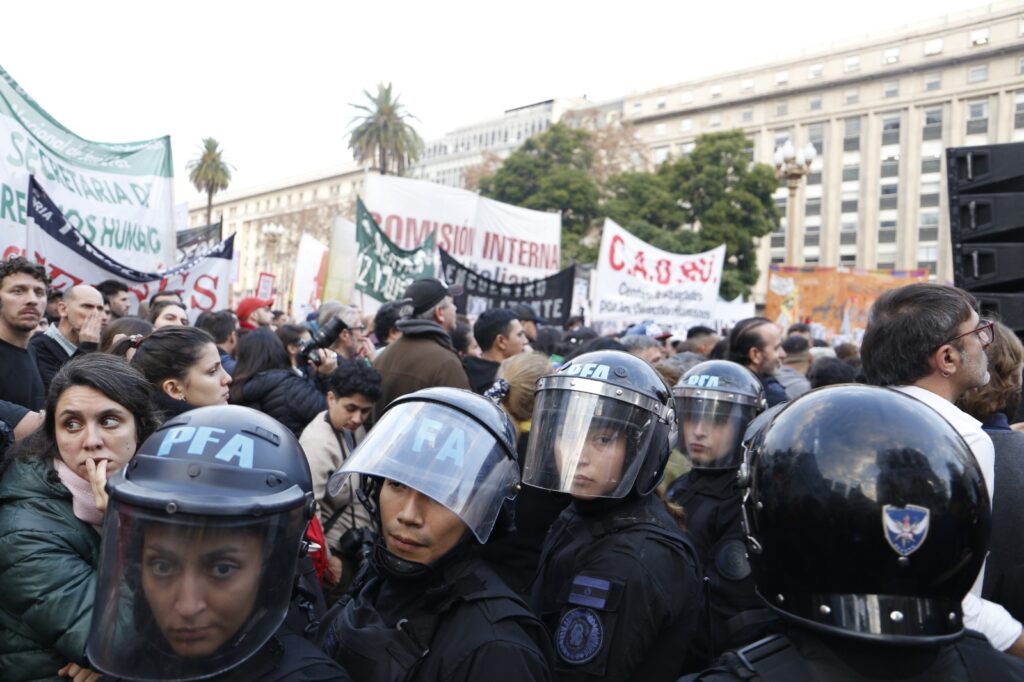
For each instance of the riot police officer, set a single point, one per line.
(618, 582)
(436, 471)
(201, 542)
(868, 521)
(715, 400)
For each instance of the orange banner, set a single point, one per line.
(838, 300)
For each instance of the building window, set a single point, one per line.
(977, 74)
(812, 207)
(816, 136)
(781, 108)
(891, 89)
(933, 124)
(932, 81)
(686, 125)
(661, 103)
(660, 155)
(747, 115)
(815, 71)
(851, 64)
(979, 37)
(1018, 110)
(746, 85)
(933, 46)
(977, 117)
(933, 165)
(637, 106)
(851, 172)
(715, 91)
(714, 120)
(686, 148)
(891, 129)
(890, 168)
(659, 129)
(814, 103)
(851, 134)
(686, 97)
(782, 78)
(851, 96)
(891, 56)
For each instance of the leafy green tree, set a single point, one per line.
(551, 171)
(209, 173)
(382, 133)
(728, 199)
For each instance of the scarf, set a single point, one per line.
(83, 502)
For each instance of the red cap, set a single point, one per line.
(248, 305)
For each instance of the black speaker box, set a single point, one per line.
(986, 219)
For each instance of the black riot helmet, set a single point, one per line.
(715, 401)
(867, 515)
(202, 535)
(603, 427)
(452, 445)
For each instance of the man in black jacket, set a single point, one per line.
(500, 335)
(436, 470)
(756, 343)
(77, 333)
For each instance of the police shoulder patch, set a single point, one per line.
(579, 636)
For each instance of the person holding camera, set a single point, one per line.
(328, 441)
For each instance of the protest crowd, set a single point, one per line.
(414, 494)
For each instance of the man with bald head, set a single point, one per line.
(77, 332)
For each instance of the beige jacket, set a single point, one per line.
(324, 452)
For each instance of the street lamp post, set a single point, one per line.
(793, 165)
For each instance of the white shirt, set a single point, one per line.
(988, 618)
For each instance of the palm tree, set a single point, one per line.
(382, 133)
(209, 173)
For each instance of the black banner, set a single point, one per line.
(198, 241)
(551, 297)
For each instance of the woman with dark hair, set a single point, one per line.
(121, 329)
(98, 410)
(264, 380)
(183, 365)
(464, 342)
(292, 335)
(167, 314)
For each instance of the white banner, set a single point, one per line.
(636, 282)
(119, 196)
(70, 259)
(310, 266)
(502, 242)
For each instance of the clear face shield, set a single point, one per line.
(588, 444)
(441, 453)
(185, 597)
(711, 428)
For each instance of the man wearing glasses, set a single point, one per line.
(928, 341)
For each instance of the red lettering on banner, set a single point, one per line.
(698, 270)
(664, 271)
(639, 268)
(617, 243)
(210, 293)
(12, 251)
(376, 218)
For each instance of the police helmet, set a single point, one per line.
(715, 401)
(452, 445)
(202, 535)
(603, 427)
(867, 515)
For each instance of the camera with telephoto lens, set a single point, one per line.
(324, 337)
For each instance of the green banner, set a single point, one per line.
(383, 270)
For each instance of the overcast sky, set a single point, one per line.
(272, 81)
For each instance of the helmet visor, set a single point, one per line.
(586, 444)
(711, 429)
(443, 454)
(187, 597)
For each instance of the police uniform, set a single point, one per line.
(619, 589)
(867, 521)
(452, 619)
(729, 395)
(618, 582)
(455, 621)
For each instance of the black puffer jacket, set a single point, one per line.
(284, 395)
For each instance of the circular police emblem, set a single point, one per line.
(731, 560)
(579, 635)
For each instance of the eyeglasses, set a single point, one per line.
(983, 330)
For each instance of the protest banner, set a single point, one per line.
(837, 299)
(197, 241)
(340, 277)
(120, 197)
(499, 241)
(71, 259)
(383, 270)
(310, 271)
(636, 281)
(550, 297)
(265, 285)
